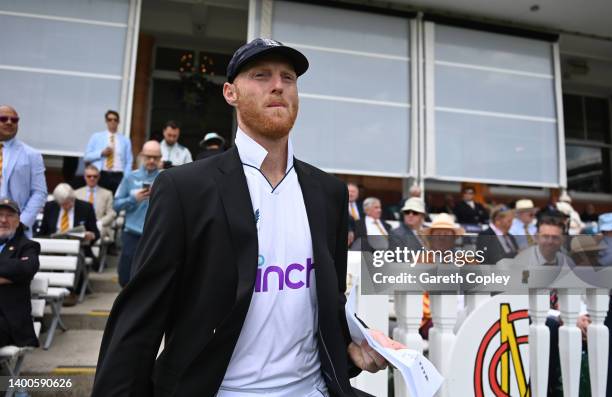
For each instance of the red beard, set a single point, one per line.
(272, 125)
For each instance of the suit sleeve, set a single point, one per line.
(90, 220)
(129, 159)
(38, 190)
(137, 320)
(44, 225)
(123, 197)
(22, 269)
(92, 151)
(109, 212)
(341, 264)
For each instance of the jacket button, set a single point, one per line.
(214, 331)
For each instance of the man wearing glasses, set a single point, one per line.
(22, 171)
(110, 152)
(133, 197)
(101, 199)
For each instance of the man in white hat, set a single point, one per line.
(523, 226)
(605, 227)
(407, 234)
(212, 144)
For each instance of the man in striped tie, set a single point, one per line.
(66, 212)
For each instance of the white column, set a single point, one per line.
(408, 311)
(539, 341)
(441, 336)
(570, 341)
(598, 342)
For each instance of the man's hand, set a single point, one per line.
(107, 151)
(90, 236)
(5, 281)
(368, 359)
(142, 194)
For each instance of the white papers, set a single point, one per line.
(422, 379)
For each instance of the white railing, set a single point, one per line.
(448, 321)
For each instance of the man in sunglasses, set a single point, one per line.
(110, 152)
(22, 171)
(408, 233)
(100, 198)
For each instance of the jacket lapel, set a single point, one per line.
(16, 155)
(315, 209)
(236, 201)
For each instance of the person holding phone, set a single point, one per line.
(173, 153)
(133, 197)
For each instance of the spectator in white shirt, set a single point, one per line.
(173, 153)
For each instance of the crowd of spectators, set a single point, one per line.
(111, 186)
(555, 235)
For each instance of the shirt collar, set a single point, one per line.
(496, 230)
(9, 143)
(252, 153)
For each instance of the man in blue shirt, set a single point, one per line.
(133, 197)
(110, 152)
(22, 171)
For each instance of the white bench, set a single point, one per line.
(11, 357)
(62, 271)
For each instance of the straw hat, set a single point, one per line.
(445, 221)
(584, 243)
(524, 205)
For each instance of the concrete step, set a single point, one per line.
(107, 281)
(91, 314)
(104, 282)
(73, 355)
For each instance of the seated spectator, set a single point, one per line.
(605, 227)
(371, 225)
(66, 212)
(18, 264)
(496, 242)
(355, 206)
(589, 214)
(133, 197)
(212, 144)
(408, 233)
(523, 225)
(441, 236)
(565, 206)
(469, 211)
(100, 198)
(443, 233)
(448, 207)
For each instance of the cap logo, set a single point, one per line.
(271, 42)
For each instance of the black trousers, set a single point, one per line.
(5, 332)
(110, 180)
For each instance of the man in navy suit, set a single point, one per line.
(18, 264)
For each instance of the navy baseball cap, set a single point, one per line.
(259, 47)
(8, 203)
